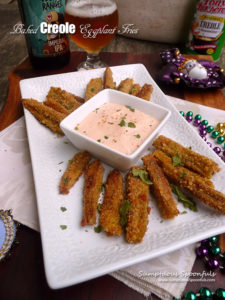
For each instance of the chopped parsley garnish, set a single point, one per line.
(131, 125)
(71, 161)
(106, 137)
(111, 123)
(190, 148)
(63, 208)
(130, 108)
(63, 227)
(132, 90)
(60, 170)
(92, 89)
(76, 128)
(99, 140)
(66, 143)
(98, 229)
(123, 212)
(61, 162)
(177, 160)
(66, 180)
(99, 206)
(183, 175)
(70, 106)
(122, 123)
(187, 202)
(142, 174)
(137, 136)
(183, 212)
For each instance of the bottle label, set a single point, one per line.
(51, 12)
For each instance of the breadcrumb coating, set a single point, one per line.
(110, 209)
(74, 170)
(202, 165)
(161, 188)
(137, 193)
(93, 177)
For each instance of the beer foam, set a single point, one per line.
(86, 8)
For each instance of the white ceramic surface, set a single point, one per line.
(108, 155)
(78, 254)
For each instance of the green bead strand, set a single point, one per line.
(215, 134)
(213, 239)
(182, 113)
(210, 128)
(205, 293)
(220, 293)
(198, 117)
(215, 249)
(220, 139)
(189, 296)
(204, 122)
(189, 113)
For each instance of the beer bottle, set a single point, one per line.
(45, 50)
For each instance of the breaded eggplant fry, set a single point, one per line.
(74, 170)
(110, 209)
(145, 92)
(126, 85)
(161, 188)
(44, 114)
(137, 193)
(93, 177)
(202, 165)
(94, 86)
(62, 101)
(191, 182)
(135, 89)
(108, 79)
(185, 170)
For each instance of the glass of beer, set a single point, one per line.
(96, 24)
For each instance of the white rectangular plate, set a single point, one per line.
(78, 254)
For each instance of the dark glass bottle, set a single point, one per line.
(46, 51)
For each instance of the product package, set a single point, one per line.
(207, 32)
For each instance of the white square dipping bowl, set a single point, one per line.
(110, 156)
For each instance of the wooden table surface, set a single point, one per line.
(22, 274)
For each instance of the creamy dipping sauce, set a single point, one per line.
(119, 127)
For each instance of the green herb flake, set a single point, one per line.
(70, 106)
(130, 108)
(60, 170)
(183, 212)
(137, 136)
(98, 229)
(131, 125)
(122, 123)
(76, 128)
(71, 161)
(190, 148)
(187, 202)
(111, 123)
(161, 221)
(66, 180)
(123, 212)
(92, 89)
(106, 137)
(99, 206)
(142, 174)
(63, 227)
(132, 90)
(61, 162)
(177, 160)
(99, 140)
(66, 143)
(183, 175)
(63, 208)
